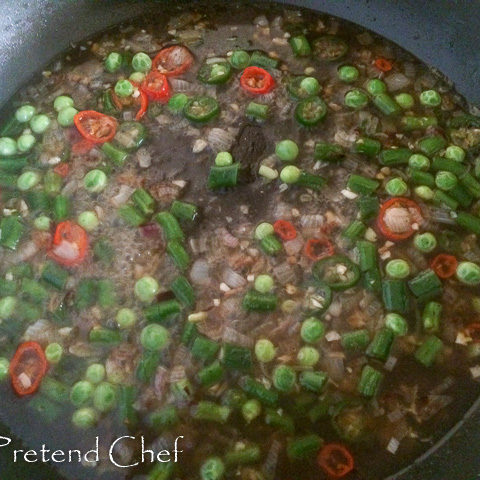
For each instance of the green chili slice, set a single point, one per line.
(201, 109)
(337, 271)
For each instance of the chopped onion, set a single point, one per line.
(332, 336)
(66, 250)
(434, 405)
(199, 272)
(390, 363)
(393, 445)
(69, 188)
(26, 251)
(150, 230)
(396, 415)
(211, 60)
(177, 373)
(232, 278)
(292, 247)
(335, 366)
(475, 371)
(444, 386)
(25, 380)
(182, 86)
(396, 81)
(364, 38)
(271, 460)
(312, 223)
(122, 196)
(441, 215)
(144, 158)
(232, 336)
(284, 273)
(220, 140)
(228, 239)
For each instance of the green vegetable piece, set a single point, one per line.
(312, 330)
(141, 62)
(425, 285)
(146, 289)
(54, 275)
(81, 393)
(284, 378)
(143, 201)
(370, 380)
(239, 59)
(113, 62)
(431, 317)
(428, 351)
(212, 468)
(337, 271)
(154, 337)
(397, 268)
(286, 150)
(313, 381)
(355, 341)
(430, 98)
(204, 349)
(468, 273)
(84, 418)
(329, 48)
(396, 323)
(215, 73)
(201, 109)
(356, 99)
(264, 350)
(11, 231)
(305, 447)
(300, 46)
(348, 73)
(236, 357)
(381, 344)
(259, 302)
(105, 397)
(311, 111)
(362, 185)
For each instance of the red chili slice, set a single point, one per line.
(62, 169)
(318, 248)
(141, 99)
(69, 245)
(383, 64)
(397, 218)
(143, 105)
(27, 368)
(256, 80)
(473, 331)
(82, 147)
(335, 460)
(444, 265)
(285, 230)
(94, 126)
(173, 61)
(156, 87)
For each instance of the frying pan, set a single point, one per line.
(442, 33)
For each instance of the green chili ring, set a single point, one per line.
(327, 270)
(215, 73)
(201, 109)
(130, 136)
(318, 297)
(311, 111)
(330, 48)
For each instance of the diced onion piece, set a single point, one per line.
(393, 445)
